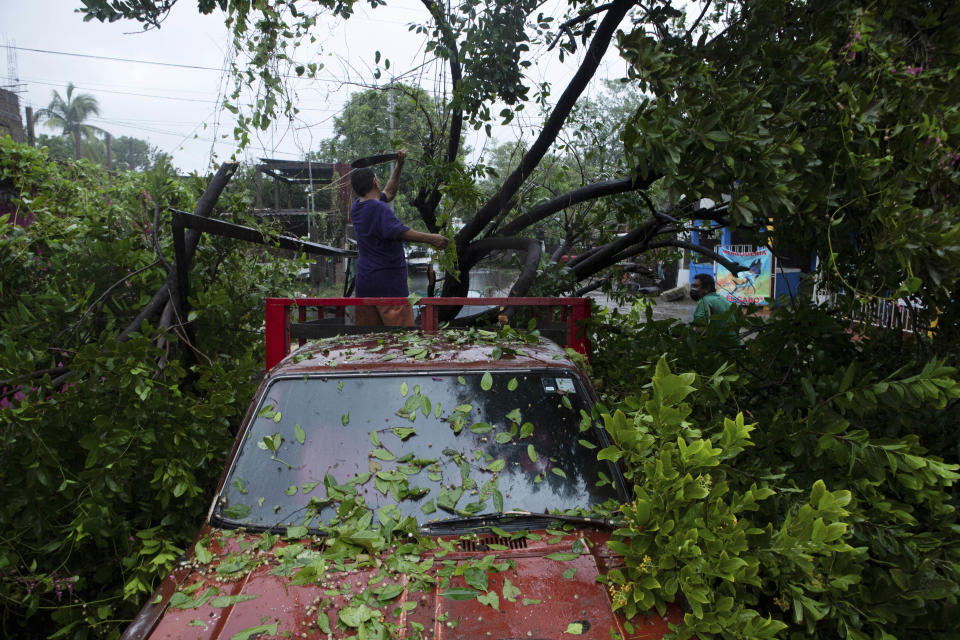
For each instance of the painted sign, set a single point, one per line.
(753, 285)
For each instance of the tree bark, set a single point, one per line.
(572, 197)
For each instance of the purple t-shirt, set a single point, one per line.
(381, 263)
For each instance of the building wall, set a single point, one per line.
(10, 122)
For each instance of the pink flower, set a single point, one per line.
(914, 71)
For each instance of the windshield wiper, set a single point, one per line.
(495, 518)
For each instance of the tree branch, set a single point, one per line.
(204, 207)
(696, 22)
(729, 265)
(565, 27)
(427, 201)
(572, 197)
(594, 54)
(600, 259)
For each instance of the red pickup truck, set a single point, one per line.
(409, 485)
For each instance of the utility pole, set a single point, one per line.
(109, 141)
(31, 138)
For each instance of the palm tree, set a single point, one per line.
(68, 115)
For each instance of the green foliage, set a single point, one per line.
(107, 474)
(835, 120)
(801, 485)
(128, 154)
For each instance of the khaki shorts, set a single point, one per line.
(384, 315)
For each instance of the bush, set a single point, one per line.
(791, 487)
(107, 474)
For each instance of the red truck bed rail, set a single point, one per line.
(330, 314)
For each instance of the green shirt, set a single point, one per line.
(711, 305)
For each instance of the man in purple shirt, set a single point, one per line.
(381, 263)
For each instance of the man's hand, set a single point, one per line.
(433, 239)
(393, 184)
(438, 241)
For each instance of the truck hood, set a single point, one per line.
(549, 591)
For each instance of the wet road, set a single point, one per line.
(662, 309)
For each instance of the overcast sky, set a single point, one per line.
(177, 106)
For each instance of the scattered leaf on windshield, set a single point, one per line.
(383, 454)
(404, 389)
(526, 430)
(266, 412)
(587, 444)
(271, 443)
(480, 427)
(240, 485)
(566, 402)
(461, 380)
(345, 419)
(276, 418)
(514, 416)
(291, 490)
(299, 433)
(503, 437)
(512, 385)
(486, 382)
(532, 453)
(558, 472)
(403, 432)
(496, 465)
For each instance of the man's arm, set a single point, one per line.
(433, 239)
(702, 311)
(393, 184)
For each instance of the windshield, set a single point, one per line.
(429, 446)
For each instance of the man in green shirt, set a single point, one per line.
(711, 307)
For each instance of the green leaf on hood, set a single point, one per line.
(510, 592)
(202, 554)
(250, 632)
(180, 600)
(355, 616)
(491, 600)
(575, 628)
(226, 601)
(460, 593)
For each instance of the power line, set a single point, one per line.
(87, 55)
(149, 95)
